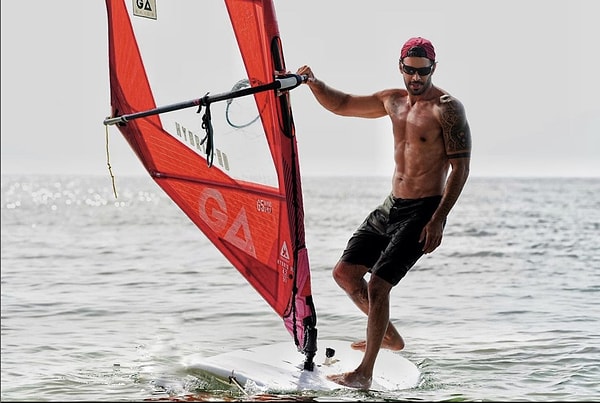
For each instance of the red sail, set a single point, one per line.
(257, 222)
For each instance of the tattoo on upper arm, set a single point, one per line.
(455, 128)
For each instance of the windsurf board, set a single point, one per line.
(279, 367)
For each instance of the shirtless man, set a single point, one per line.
(432, 147)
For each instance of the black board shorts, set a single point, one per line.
(387, 242)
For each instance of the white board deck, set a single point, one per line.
(279, 367)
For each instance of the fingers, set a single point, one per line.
(431, 239)
(431, 243)
(307, 71)
(303, 70)
(426, 244)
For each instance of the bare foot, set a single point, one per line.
(395, 345)
(352, 380)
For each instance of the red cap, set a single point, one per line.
(420, 47)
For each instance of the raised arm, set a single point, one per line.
(341, 103)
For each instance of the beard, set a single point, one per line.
(418, 87)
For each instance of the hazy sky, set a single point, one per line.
(525, 70)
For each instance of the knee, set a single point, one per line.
(339, 273)
(349, 276)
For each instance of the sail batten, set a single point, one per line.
(248, 200)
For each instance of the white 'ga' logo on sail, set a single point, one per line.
(238, 233)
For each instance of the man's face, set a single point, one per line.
(417, 72)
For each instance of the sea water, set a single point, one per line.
(104, 298)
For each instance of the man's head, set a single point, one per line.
(417, 64)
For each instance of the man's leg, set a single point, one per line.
(351, 278)
(378, 317)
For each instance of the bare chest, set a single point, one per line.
(416, 125)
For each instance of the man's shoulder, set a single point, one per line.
(447, 100)
(444, 96)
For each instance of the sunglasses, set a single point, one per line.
(423, 71)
